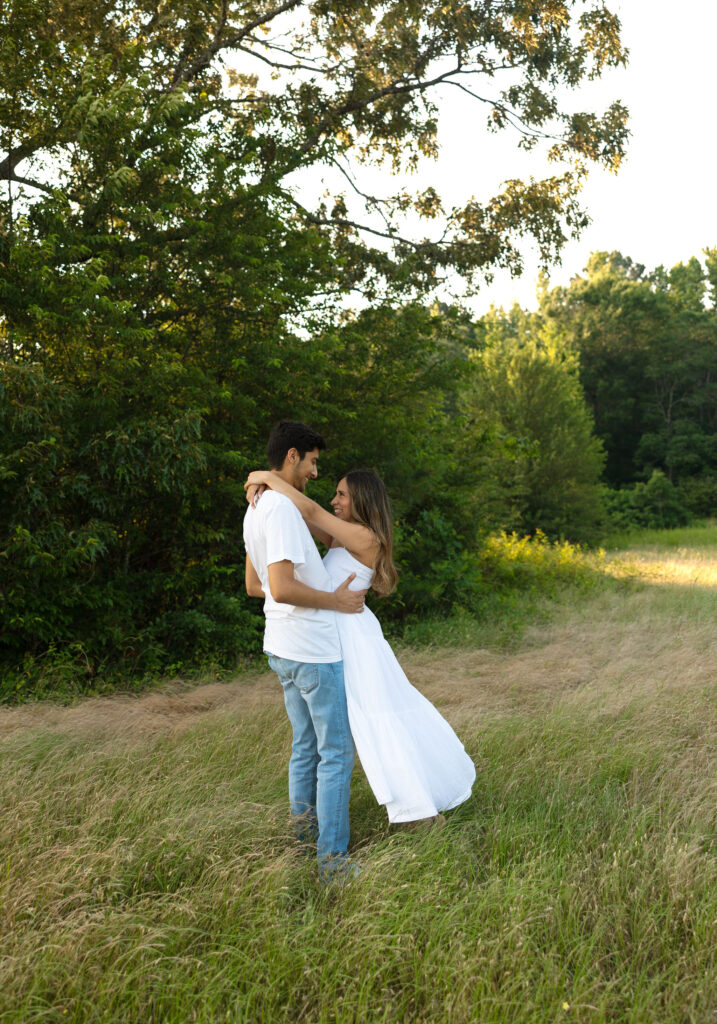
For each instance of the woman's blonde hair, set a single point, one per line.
(370, 507)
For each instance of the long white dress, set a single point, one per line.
(413, 760)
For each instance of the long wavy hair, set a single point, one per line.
(370, 507)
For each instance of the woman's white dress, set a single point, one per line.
(413, 760)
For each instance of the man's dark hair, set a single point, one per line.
(291, 434)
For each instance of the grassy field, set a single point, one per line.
(147, 873)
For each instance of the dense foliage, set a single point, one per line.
(636, 355)
(527, 384)
(646, 343)
(169, 288)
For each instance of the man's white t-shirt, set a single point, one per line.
(274, 531)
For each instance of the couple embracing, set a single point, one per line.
(342, 683)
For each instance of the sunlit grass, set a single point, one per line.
(684, 556)
(684, 567)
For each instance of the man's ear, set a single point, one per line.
(292, 456)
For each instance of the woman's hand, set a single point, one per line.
(257, 477)
(256, 484)
(254, 491)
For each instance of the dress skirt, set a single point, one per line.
(413, 760)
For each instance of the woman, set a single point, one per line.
(414, 762)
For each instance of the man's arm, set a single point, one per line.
(286, 589)
(252, 581)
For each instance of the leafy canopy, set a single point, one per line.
(280, 88)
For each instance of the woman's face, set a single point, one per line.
(341, 502)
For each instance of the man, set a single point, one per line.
(284, 567)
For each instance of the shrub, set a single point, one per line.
(511, 562)
(655, 504)
(698, 494)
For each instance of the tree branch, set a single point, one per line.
(510, 115)
(371, 201)
(183, 74)
(11, 176)
(17, 155)
(396, 88)
(315, 66)
(343, 222)
(277, 63)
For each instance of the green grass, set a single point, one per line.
(703, 534)
(148, 874)
(499, 622)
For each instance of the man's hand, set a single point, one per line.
(285, 589)
(349, 601)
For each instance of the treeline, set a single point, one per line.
(121, 476)
(643, 346)
(648, 365)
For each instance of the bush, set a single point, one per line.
(511, 562)
(654, 505)
(119, 550)
(465, 587)
(698, 494)
(437, 572)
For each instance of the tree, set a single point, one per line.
(167, 289)
(100, 102)
(528, 381)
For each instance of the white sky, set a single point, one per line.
(661, 208)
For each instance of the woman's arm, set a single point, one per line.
(323, 525)
(254, 491)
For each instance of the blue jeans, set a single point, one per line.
(322, 753)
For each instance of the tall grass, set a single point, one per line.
(148, 874)
(700, 535)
